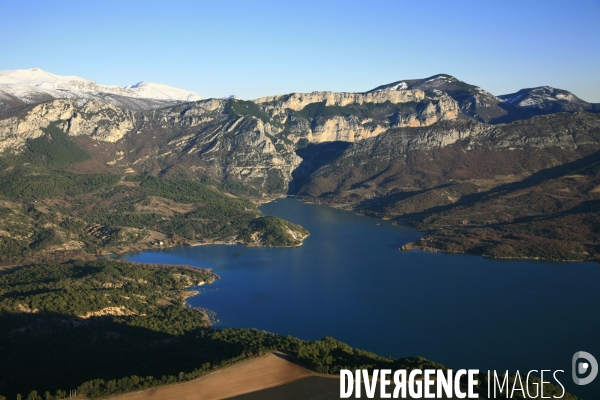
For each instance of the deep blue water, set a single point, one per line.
(349, 280)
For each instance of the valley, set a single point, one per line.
(420, 152)
(89, 171)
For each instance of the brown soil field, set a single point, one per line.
(257, 374)
(165, 207)
(153, 236)
(487, 184)
(315, 388)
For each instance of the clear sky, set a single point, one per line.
(255, 48)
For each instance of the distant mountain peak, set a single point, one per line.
(480, 104)
(546, 98)
(441, 76)
(442, 82)
(35, 84)
(136, 85)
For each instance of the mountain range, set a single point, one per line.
(515, 175)
(32, 86)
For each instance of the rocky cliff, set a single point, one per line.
(475, 102)
(256, 142)
(276, 105)
(207, 138)
(98, 120)
(350, 117)
(422, 158)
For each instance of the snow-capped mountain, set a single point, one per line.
(31, 86)
(442, 82)
(473, 100)
(547, 98)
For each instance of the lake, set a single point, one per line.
(349, 281)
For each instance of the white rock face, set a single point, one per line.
(100, 121)
(446, 109)
(343, 129)
(35, 85)
(297, 101)
(351, 129)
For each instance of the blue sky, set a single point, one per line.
(255, 48)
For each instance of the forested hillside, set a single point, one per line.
(107, 327)
(50, 213)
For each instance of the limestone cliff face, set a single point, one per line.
(396, 143)
(191, 114)
(447, 159)
(445, 108)
(297, 101)
(98, 120)
(344, 129)
(561, 131)
(352, 129)
(202, 137)
(228, 140)
(240, 148)
(105, 122)
(385, 110)
(256, 157)
(205, 138)
(15, 131)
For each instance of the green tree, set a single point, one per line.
(33, 395)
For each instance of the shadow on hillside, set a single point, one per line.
(377, 203)
(591, 206)
(51, 351)
(517, 113)
(314, 156)
(588, 165)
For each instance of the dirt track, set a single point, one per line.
(257, 374)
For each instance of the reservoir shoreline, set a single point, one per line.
(349, 281)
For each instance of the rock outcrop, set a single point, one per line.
(560, 131)
(338, 128)
(297, 101)
(100, 121)
(205, 139)
(352, 117)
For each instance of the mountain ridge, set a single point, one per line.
(482, 105)
(400, 154)
(35, 85)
